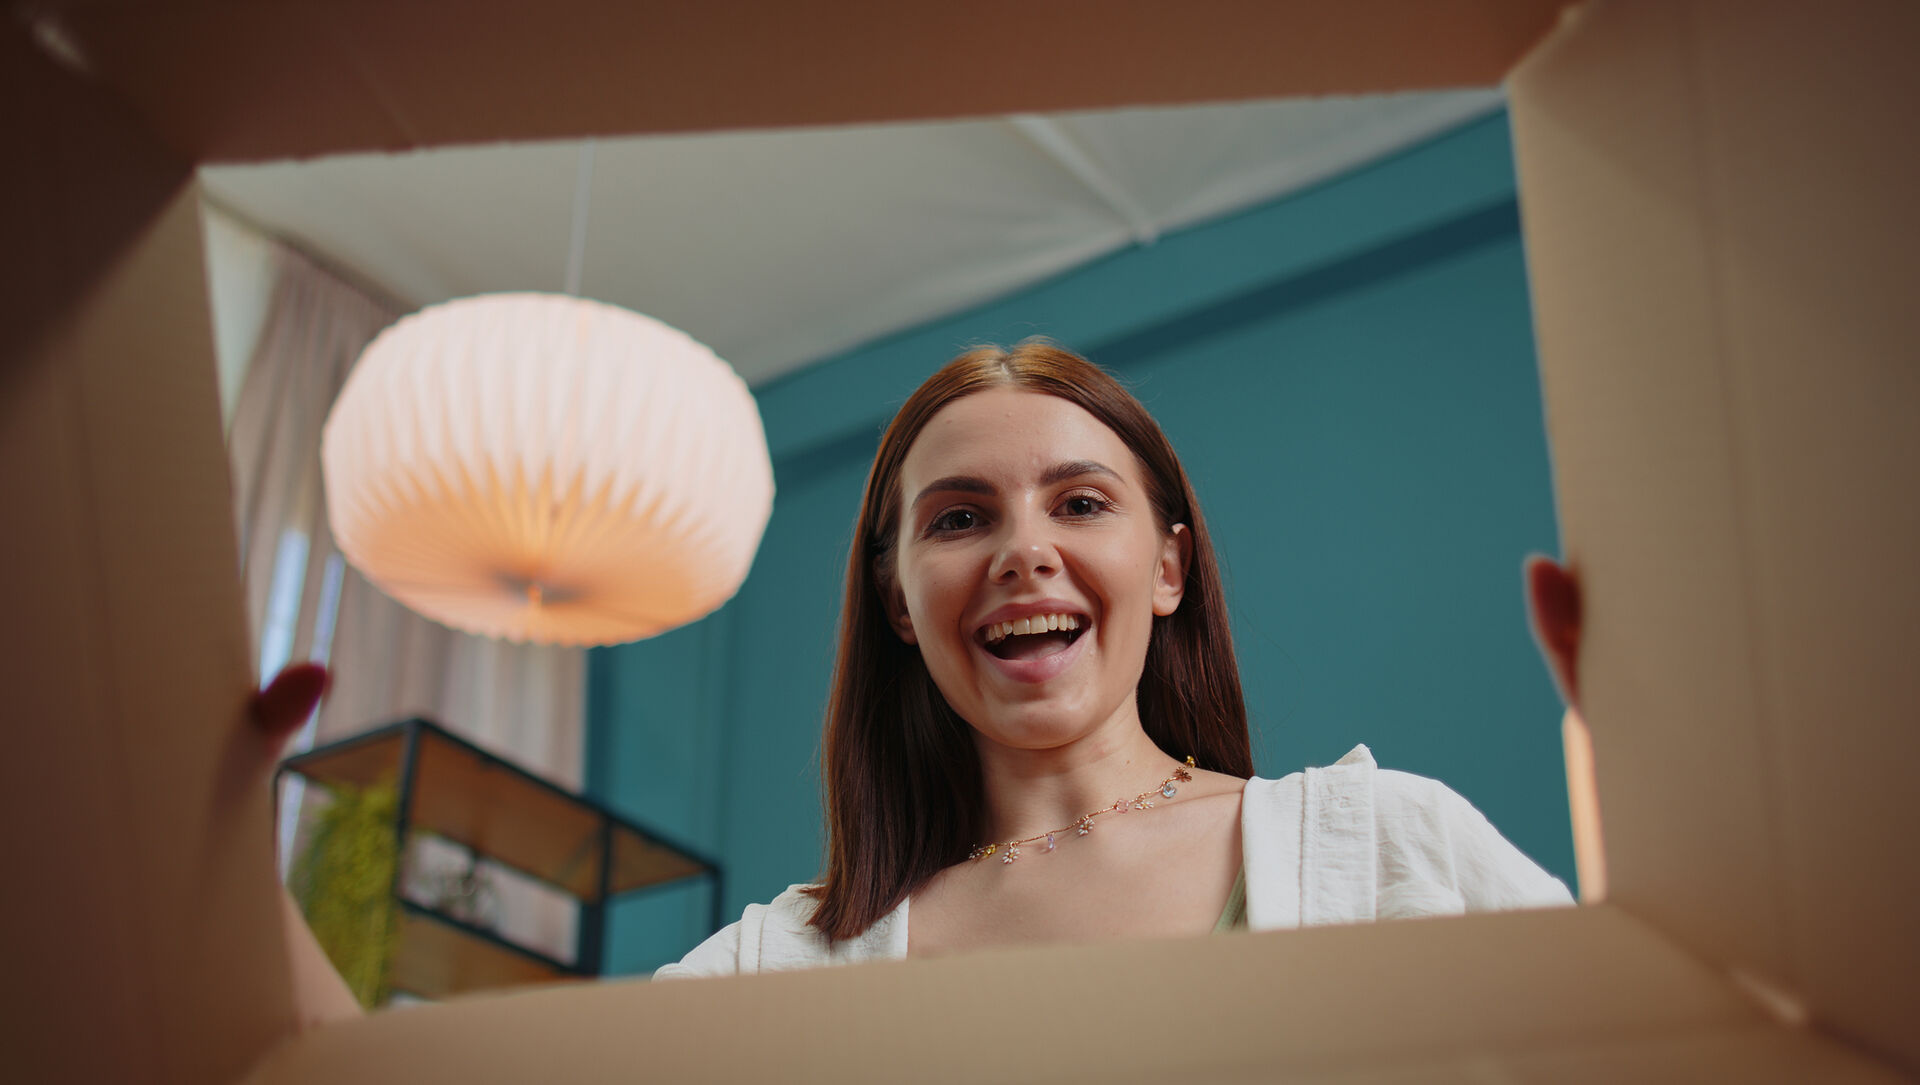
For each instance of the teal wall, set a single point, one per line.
(1348, 374)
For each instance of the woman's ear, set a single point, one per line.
(895, 602)
(1170, 578)
(1553, 604)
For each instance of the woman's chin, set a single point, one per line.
(1042, 702)
(1044, 723)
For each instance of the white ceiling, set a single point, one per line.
(779, 248)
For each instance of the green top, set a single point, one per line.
(1234, 915)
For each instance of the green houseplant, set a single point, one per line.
(343, 881)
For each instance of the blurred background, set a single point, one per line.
(1323, 302)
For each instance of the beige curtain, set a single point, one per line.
(315, 327)
(523, 703)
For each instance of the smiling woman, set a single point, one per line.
(1036, 730)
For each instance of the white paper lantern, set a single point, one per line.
(545, 468)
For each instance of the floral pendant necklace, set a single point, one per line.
(1010, 850)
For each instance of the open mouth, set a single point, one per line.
(1033, 638)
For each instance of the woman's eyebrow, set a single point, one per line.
(1061, 472)
(967, 484)
(1052, 476)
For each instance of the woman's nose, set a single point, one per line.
(1027, 550)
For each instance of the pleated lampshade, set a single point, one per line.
(545, 468)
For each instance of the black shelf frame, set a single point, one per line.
(590, 936)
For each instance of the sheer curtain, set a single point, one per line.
(522, 702)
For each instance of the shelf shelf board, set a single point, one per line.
(438, 957)
(483, 802)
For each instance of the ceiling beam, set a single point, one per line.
(1057, 145)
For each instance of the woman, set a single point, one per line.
(1034, 643)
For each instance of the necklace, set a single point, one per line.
(1009, 851)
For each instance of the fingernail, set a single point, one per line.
(291, 697)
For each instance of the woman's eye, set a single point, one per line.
(1083, 505)
(954, 520)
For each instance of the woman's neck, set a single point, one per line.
(1029, 792)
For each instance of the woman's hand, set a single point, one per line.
(320, 996)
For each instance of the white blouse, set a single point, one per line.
(1348, 843)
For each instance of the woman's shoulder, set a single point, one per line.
(1288, 796)
(778, 936)
(1433, 851)
(1357, 778)
(740, 946)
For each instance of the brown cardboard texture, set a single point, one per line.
(1449, 1000)
(1716, 199)
(138, 930)
(1717, 242)
(235, 80)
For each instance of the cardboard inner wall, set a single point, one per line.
(1718, 200)
(1713, 210)
(1471, 999)
(237, 80)
(1620, 266)
(140, 940)
(1815, 203)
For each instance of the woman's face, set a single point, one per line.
(1023, 508)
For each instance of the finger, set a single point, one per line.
(289, 699)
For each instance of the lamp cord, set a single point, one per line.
(582, 199)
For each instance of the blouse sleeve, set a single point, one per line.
(719, 955)
(770, 937)
(1439, 855)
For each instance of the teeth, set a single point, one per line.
(1039, 623)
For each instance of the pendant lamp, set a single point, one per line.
(546, 468)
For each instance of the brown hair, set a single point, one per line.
(899, 771)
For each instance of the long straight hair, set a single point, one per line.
(899, 770)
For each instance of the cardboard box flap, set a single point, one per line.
(1718, 203)
(142, 938)
(1716, 200)
(1619, 261)
(1816, 171)
(1455, 997)
(244, 81)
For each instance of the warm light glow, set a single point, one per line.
(545, 468)
(1583, 799)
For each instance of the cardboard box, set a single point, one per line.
(1717, 199)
